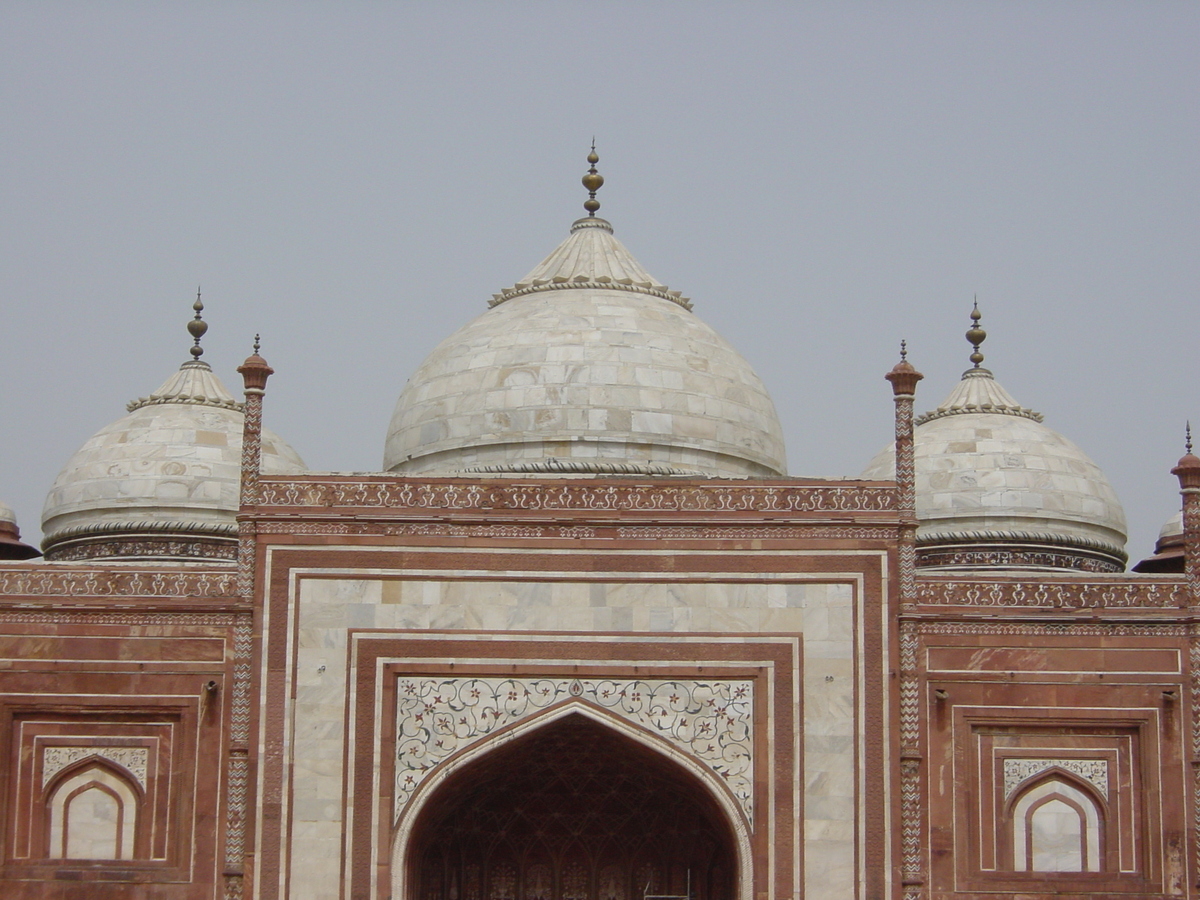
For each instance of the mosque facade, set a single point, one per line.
(584, 638)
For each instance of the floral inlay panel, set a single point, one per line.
(711, 721)
(1017, 771)
(134, 759)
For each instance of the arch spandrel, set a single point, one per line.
(710, 721)
(694, 785)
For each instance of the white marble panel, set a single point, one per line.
(822, 613)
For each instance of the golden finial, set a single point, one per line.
(593, 180)
(1187, 437)
(976, 335)
(197, 327)
(256, 345)
(903, 351)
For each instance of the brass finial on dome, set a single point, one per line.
(257, 345)
(976, 335)
(593, 181)
(197, 327)
(1187, 437)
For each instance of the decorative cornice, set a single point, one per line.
(44, 581)
(600, 284)
(143, 527)
(590, 259)
(539, 531)
(575, 496)
(143, 540)
(1019, 548)
(998, 536)
(1040, 629)
(195, 385)
(557, 466)
(992, 557)
(979, 392)
(1122, 593)
(154, 547)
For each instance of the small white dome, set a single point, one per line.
(1172, 528)
(11, 546)
(163, 480)
(997, 487)
(588, 365)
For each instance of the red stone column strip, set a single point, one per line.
(913, 826)
(904, 380)
(254, 372)
(1195, 666)
(1188, 472)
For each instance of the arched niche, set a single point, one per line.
(92, 812)
(572, 805)
(1057, 825)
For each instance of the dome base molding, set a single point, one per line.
(992, 553)
(169, 542)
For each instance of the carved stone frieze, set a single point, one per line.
(1118, 629)
(133, 759)
(1017, 771)
(583, 532)
(976, 557)
(756, 532)
(711, 721)
(576, 496)
(156, 547)
(41, 582)
(1164, 594)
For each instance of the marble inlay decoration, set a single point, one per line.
(711, 721)
(134, 759)
(463, 494)
(1017, 771)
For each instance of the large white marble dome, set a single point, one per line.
(162, 481)
(588, 365)
(995, 486)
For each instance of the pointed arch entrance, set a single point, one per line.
(570, 810)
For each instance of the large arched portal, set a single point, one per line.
(571, 811)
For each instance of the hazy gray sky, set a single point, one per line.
(354, 180)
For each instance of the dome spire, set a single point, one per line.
(197, 327)
(976, 336)
(593, 181)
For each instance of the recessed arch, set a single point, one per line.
(93, 812)
(582, 735)
(1057, 826)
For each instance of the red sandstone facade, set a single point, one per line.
(976, 690)
(982, 704)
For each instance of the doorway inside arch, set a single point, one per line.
(571, 811)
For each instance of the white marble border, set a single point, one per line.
(814, 887)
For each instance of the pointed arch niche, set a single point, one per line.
(1057, 825)
(92, 812)
(573, 804)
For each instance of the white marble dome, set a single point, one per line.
(588, 366)
(1172, 528)
(995, 486)
(161, 481)
(11, 546)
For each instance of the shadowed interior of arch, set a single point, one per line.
(571, 811)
